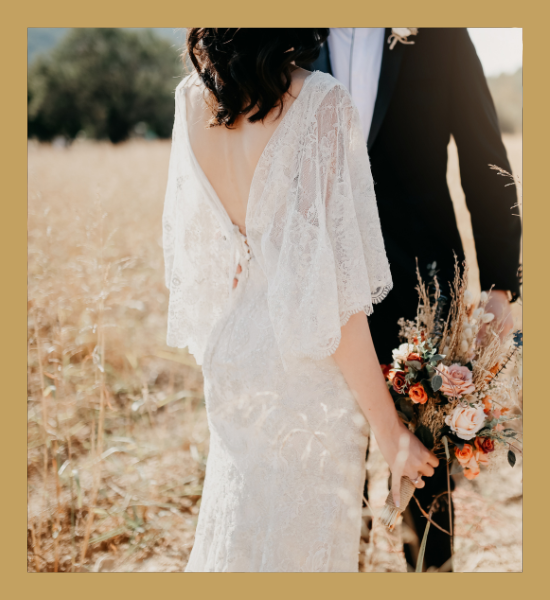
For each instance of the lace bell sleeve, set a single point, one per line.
(325, 256)
(197, 251)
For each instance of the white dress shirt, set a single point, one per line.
(363, 61)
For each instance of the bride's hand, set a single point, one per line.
(406, 456)
(358, 362)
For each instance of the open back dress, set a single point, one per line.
(286, 465)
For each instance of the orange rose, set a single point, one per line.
(414, 356)
(464, 456)
(471, 470)
(399, 382)
(418, 394)
(385, 370)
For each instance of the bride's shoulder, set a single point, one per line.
(188, 86)
(326, 91)
(317, 81)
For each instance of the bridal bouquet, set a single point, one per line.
(450, 381)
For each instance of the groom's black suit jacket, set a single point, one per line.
(426, 93)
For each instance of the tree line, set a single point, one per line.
(108, 83)
(104, 83)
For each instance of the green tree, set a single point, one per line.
(104, 82)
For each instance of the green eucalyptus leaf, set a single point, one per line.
(459, 443)
(436, 382)
(511, 458)
(410, 377)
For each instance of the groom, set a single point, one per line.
(411, 99)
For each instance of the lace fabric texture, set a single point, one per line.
(286, 465)
(312, 222)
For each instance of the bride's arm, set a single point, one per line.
(358, 362)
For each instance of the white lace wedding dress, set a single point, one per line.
(286, 466)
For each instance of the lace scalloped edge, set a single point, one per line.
(368, 309)
(344, 318)
(385, 291)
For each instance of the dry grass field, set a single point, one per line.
(117, 435)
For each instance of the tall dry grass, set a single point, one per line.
(117, 434)
(108, 403)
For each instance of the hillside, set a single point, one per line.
(507, 92)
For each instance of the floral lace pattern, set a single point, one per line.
(286, 465)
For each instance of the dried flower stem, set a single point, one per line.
(425, 514)
(102, 399)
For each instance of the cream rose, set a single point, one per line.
(466, 421)
(457, 380)
(400, 354)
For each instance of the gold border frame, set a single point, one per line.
(16, 581)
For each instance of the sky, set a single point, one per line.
(499, 49)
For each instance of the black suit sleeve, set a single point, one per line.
(474, 125)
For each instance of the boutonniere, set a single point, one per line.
(401, 34)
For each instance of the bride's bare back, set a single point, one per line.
(229, 157)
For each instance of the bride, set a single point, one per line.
(274, 256)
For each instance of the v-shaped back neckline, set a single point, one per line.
(206, 182)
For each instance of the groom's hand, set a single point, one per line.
(499, 305)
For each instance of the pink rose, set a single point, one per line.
(466, 421)
(457, 381)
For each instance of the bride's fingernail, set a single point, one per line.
(397, 504)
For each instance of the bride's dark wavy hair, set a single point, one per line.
(249, 68)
